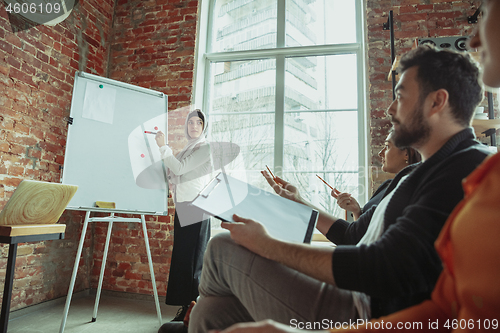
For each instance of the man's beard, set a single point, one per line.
(414, 133)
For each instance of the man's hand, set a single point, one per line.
(283, 188)
(250, 234)
(288, 191)
(315, 261)
(265, 326)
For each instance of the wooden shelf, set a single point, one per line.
(482, 125)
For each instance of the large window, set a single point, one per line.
(284, 81)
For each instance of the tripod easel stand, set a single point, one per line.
(110, 219)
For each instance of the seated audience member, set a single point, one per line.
(394, 160)
(376, 270)
(467, 294)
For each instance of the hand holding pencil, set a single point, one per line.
(281, 187)
(335, 192)
(270, 172)
(344, 200)
(160, 138)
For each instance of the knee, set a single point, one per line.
(199, 320)
(223, 236)
(220, 249)
(219, 242)
(216, 313)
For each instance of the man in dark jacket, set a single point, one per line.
(383, 262)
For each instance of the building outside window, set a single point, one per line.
(283, 79)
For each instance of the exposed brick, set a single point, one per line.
(424, 8)
(14, 40)
(407, 9)
(445, 15)
(445, 32)
(4, 147)
(412, 17)
(442, 7)
(9, 181)
(4, 70)
(26, 87)
(14, 63)
(17, 74)
(5, 46)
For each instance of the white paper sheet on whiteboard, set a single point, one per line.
(99, 102)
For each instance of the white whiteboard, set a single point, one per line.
(108, 155)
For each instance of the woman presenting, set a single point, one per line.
(188, 173)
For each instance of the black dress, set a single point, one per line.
(190, 243)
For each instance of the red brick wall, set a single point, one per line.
(153, 47)
(37, 68)
(412, 19)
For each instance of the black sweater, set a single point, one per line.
(377, 196)
(401, 268)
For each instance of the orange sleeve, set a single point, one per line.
(475, 240)
(424, 317)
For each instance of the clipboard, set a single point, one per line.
(284, 219)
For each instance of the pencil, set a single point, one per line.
(270, 171)
(324, 182)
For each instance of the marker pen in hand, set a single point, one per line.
(148, 132)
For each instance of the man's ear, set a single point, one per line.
(439, 100)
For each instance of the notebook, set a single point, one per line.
(37, 202)
(284, 219)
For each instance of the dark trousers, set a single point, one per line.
(190, 243)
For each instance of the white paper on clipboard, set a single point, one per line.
(284, 219)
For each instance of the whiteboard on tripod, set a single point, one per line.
(108, 153)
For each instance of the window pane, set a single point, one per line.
(244, 25)
(319, 22)
(324, 143)
(254, 134)
(242, 105)
(319, 83)
(243, 86)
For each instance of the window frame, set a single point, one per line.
(204, 56)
